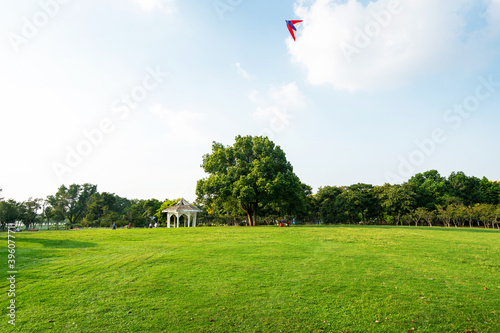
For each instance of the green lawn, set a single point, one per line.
(264, 279)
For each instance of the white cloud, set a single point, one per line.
(493, 16)
(288, 96)
(384, 44)
(183, 126)
(167, 6)
(253, 96)
(279, 105)
(241, 71)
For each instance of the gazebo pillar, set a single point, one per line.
(189, 219)
(194, 220)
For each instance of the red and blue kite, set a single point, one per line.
(292, 26)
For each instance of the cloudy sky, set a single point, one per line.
(130, 94)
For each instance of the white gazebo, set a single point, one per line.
(182, 207)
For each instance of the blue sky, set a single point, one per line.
(370, 91)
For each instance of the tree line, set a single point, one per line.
(252, 179)
(427, 199)
(252, 183)
(83, 206)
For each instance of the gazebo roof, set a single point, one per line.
(182, 206)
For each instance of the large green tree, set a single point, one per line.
(255, 173)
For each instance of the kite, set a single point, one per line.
(292, 26)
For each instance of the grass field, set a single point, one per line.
(264, 279)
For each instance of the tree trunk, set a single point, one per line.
(249, 217)
(247, 209)
(255, 214)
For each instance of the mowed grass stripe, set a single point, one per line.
(264, 279)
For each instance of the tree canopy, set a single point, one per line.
(253, 181)
(255, 174)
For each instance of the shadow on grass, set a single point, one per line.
(58, 243)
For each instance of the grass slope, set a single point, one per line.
(264, 279)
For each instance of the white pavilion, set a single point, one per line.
(182, 207)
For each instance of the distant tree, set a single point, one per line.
(99, 210)
(419, 214)
(120, 205)
(470, 214)
(60, 203)
(459, 214)
(408, 218)
(135, 214)
(162, 217)
(142, 212)
(489, 191)
(486, 214)
(296, 204)
(9, 212)
(254, 172)
(429, 216)
(343, 204)
(444, 213)
(151, 208)
(328, 205)
(496, 216)
(360, 201)
(467, 189)
(77, 199)
(430, 189)
(456, 213)
(397, 200)
(47, 212)
(71, 202)
(29, 212)
(311, 209)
